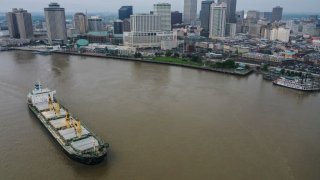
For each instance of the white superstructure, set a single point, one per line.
(297, 83)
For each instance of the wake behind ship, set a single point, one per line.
(74, 138)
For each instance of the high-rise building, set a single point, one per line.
(118, 27)
(231, 10)
(281, 34)
(176, 17)
(218, 20)
(240, 16)
(267, 16)
(12, 25)
(277, 13)
(56, 23)
(146, 32)
(253, 16)
(190, 11)
(126, 25)
(164, 10)
(205, 16)
(125, 12)
(80, 22)
(20, 24)
(95, 24)
(145, 23)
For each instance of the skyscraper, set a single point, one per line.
(205, 16)
(56, 23)
(20, 24)
(117, 27)
(176, 17)
(126, 25)
(231, 10)
(146, 32)
(218, 20)
(267, 16)
(125, 12)
(145, 23)
(80, 22)
(164, 10)
(95, 24)
(190, 11)
(277, 13)
(12, 25)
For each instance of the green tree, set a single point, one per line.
(176, 55)
(195, 58)
(137, 55)
(168, 53)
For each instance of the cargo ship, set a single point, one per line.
(75, 139)
(302, 84)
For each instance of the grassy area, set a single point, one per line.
(177, 61)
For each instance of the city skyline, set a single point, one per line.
(290, 6)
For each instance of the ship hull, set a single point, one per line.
(75, 157)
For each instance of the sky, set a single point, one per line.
(141, 6)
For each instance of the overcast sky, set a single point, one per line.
(111, 6)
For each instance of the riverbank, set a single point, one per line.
(146, 60)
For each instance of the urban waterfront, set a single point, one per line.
(162, 122)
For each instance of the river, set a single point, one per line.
(162, 122)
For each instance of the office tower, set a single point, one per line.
(126, 25)
(56, 23)
(146, 33)
(164, 10)
(190, 11)
(176, 17)
(95, 23)
(267, 16)
(145, 23)
(125, 12)
(253, 16)
(231, 10)
(277, 13)
(205, 16)
(20, 24)
(12, 25)
(218, 20)
(231, 30)
(118, 27)
(80, 22)
(240, 16)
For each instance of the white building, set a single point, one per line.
(190, 11)
(95, 24)
(145, 23)
(217, 20)
(309, 29)
(164, 10)
(281, 34)
(146, 32)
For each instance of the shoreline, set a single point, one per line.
(246, 73)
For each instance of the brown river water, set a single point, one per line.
(161, 122)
